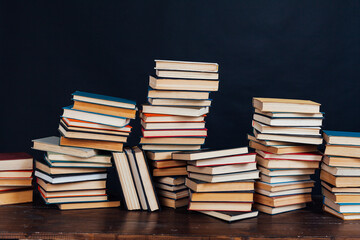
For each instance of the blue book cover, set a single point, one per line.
(341, 134)
(103, 97)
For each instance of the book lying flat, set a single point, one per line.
(173, 171)
(342, 138)
(15, 161)
(279, 187)
(286, 164)
(168, 164)
(314, 156)
(152, 93)
(334, 189)
(88, 205)
(229, 160)
(95, 127)
(74, 199)
(284, 179)
(283, 149)
(315, 140)
(177, 180)
(225, 177)
(341, 171)
(343, 151)
(342, 208)
(286, 105)
(339, 181)
(66, 170)
(67, 164)
(171, 188)
(220, 206)
(342, 197)
(270, 143)
(103, 100)
(222, 197)
(15, 197)
(282, 200)
(52, 144)
(159, 155)
(286, 130)
(170, 147)
(58, 157)
(290, 114)
(337, 161)
(186, 66)
(187, 74)
(209, 153)
(17, 174)
(201, 186)
(288, 122)
(16, 182)
(158, 118)
(172, 203)
(73, 186)
(178, 111)
(283, 193)
(230, 216)
(172, 125)
(285, 172)
(180, 102)
(173, 140)
(175, 133)
(277, 210)
(343, 216)
(222, 169)
(173, 195)
(183, 84)
(78, 193)
(96, 144)
(70, 178)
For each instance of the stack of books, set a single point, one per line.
(286, 138)
(96, 121)
(172, 191)
(221, 182)
(15, 178)
(340, 174)
(173, 120)
(72, 178)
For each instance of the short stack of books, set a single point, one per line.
(174, 118)
(221, 182)
(286, 138)
(96, 121)
(15, 178)
(172, 191)
(340, 174)
(70, 177)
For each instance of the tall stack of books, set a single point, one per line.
(340, 174)
(286, 137)
(221, 182)
(15, 178)
(173, 120)
(72, 178)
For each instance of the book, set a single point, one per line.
(343, 151)
(88, 205)
(286, 164)
(183, 84)
(65, 170)
(337, 161)
(285, 105)
(285, 172)
(225, 177)
(16, 182)
(341, 197)
(173, 140)
(288, 122)
(222, 197)
(220, 206)
(58, 157)
(146, 179)
(103, 100)
(73, 186)
(286, 130)
(15, 197)
(186, 66)
(94, 127)
(342, 208)
(289, 138)
(103, 109)
(173, 171)
(137, 179)
(172, 125)
(173, 195)
(187, 74)
(230, 216)
(284, 179)
(290, 114)
(277, 210)
(283, 193)
(159, 155)
(168, 164)
(68, 164)
(90, 136)
(180, 102)
(201, 186)
(15, 161)
(173, 180)
(223, 169)
(11, 188)
(283, 149)
(269, 142)
(341, 171)
(70, 112)
(281, 201)
(178, 111)
(152, 93)
(334, 189)
(74, 199)
(209, 153)
(279, 187)
(52, 144)
(70, 178)
(229, 160)
(16, 174)
(79, 193)
(172, 203)
(158, 118)
(343, 216)
(171, 188)
(96, 144)
(170, 147)
(126, 181)
(339, 181)
(175, 133)
(314, 156)
(342, 138)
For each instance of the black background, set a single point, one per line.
(286, 49)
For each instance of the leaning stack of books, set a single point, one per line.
(72, 178)
(96, 121)
(221, 182)
(286, 137)
(15, 178)
(340, 174)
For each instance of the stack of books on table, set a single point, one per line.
(340, 174)
(97, 121)
(72, 178)
(221, 182)
(286, 137)
(15, 178)
(172, 191)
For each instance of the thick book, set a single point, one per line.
(15, 161)
(283, 149)
(209, 153)
(17, 174)
(342, 197)
(52, 144)
(95, 144)
(285, 172)
(277, 210)
(168, 164)
(286, 105)
(73, 186)
(172, 125)
(201, 186)
(339, 181)
(103, 100)
(230, 216)
(334, 189)
(126, 181)
(172, 180)
(288, 122)
(70, 178)
(337, 161)
(343, 216)
(173, 203)
(152, 93)
(158, 118)
(187, 74)
(286, 130)
(186, 66)
(88, 205)
(222, 169)
(170, 147)
(229, 160)
(312, 156)
(222, 197)
(341, 171)
(282, 200)
(343, 151)
(103, 109)
(15, 197)
(16, 182)
(220, 206)
(173, 140)
(279, 187)
(175, 133)
(58, 157)
(159, 155)
(180, 102)
(342, 207)
(66, 170)
(315, 140)
(183, 84)
(286, 164)
(95, 127)
(290, 114)
(178, 111)
(230, 177)
(173, 171)
(104, 119)
(342, 138)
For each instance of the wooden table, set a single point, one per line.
(40, 222)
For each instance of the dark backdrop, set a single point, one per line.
(286, 49)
